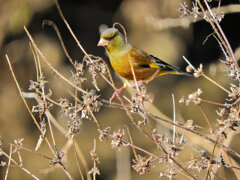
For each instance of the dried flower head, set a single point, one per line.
(73, 128)
(96, 66)
(189, 124)
(189, 68)
(2, 163)
(90, 103)
(183, 9)
(78, 77)
(194, 97)
(170, 172)
(104, 133)
(117, 139)
(142, 164)
(18, 144)
(195, 11)
(198, 72)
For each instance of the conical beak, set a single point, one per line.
(103, 42)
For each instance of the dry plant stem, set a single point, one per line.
(206, 118)
(70, 30)
(26, 105)
(51, 132)
(205, 76)
(126, 110)
(94, 162)
(166, 23)
(221, 36)
(229, 49)
(21, 167)
(95, 119)
(184, 175)
(78, 43)
(53, 25)
(208, 176)
(143, 150)
(174, 118)
(20, 158)
(75, 153)
(185, 128)
(33, 95)
(131, 141)
(35, 57)
(83, 160)
(230, 162)
(133, 73)
(9, 162)
(56, 155)
(214, 82)
(50, 66)
(215, 175)
(195, 132)
(227, 142)
(34, 152)
(211, 102)
(67, 173)
(149, 137)
(178, 164)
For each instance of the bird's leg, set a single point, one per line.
(118, 91)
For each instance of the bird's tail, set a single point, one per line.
(176, 71)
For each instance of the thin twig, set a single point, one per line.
(206, 118)
(195, 132)
(50, 66)
(9, 162)
(174, 118)
(206, 77)
(210, 160)
(75, 153)
(26, 105)
(21, 167)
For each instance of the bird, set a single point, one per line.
(124, 57)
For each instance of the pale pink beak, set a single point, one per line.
(103, 42)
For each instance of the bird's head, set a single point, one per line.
(112, 40)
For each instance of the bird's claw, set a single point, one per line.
(116, 94)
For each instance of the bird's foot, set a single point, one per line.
(116, 94)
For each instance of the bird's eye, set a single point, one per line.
(111, 37)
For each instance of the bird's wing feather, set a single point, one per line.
(145, 60)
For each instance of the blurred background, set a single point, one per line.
(142, 21)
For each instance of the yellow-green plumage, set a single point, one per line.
(146, 67)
